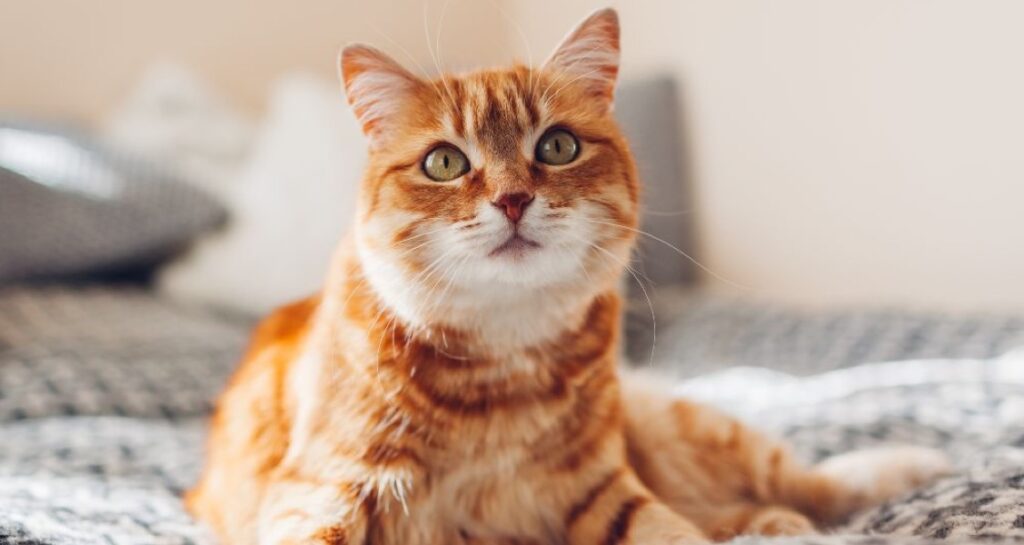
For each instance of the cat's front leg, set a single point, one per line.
(298, 511)
(618, 509)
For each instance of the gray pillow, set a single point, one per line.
(69, 207)
(649, 112)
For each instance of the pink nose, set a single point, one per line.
(514, 204)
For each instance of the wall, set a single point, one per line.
(76, 58)
(843, 151)
(839, 151)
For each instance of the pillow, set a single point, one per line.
(649, 112)
(292, 201)
(173, 117)
(69, 207)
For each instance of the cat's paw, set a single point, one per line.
(878, 474)
(777, 521)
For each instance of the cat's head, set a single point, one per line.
(497, 185)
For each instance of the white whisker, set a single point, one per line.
(434, 54)
(677, 250)
(667, 213)
(522, 36)
(640, 284)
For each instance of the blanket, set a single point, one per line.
(118, 480)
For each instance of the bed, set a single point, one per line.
(106, 381)
(105, 390)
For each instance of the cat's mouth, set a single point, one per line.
(516, 245)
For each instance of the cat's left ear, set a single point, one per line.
(377, 88)
(590, 54)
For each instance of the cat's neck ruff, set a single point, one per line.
(492, 319)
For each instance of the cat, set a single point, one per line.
(455, 381)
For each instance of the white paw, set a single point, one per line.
(880, 473)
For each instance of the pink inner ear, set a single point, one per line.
(591, 53)
(376, 87)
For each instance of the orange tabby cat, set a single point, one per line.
(455, 382)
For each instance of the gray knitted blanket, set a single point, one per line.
(103, 395)
(71, 480)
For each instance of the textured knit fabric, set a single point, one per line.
(70, 207)
(104, 390)
(697, 333)
(110, 351)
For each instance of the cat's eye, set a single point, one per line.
(557, 147)
(445, 163)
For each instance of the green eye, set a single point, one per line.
(557, 147)
(445, 163)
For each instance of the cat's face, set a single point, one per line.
(501, 180)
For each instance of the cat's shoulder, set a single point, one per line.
(284, 325)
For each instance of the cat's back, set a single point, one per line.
(250, 428)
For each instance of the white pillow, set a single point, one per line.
(294, 199)
(176, 119)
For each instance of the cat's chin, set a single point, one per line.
(516, 247)
(522, 265)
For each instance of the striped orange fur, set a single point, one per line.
(455, 381)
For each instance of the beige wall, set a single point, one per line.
(77, 57)
(844, 151)
(841, 151)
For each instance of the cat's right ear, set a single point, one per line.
(376, 87)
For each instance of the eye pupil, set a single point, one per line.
(447, 160)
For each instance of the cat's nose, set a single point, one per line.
(514, 204)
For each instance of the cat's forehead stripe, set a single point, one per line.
(495, 111)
